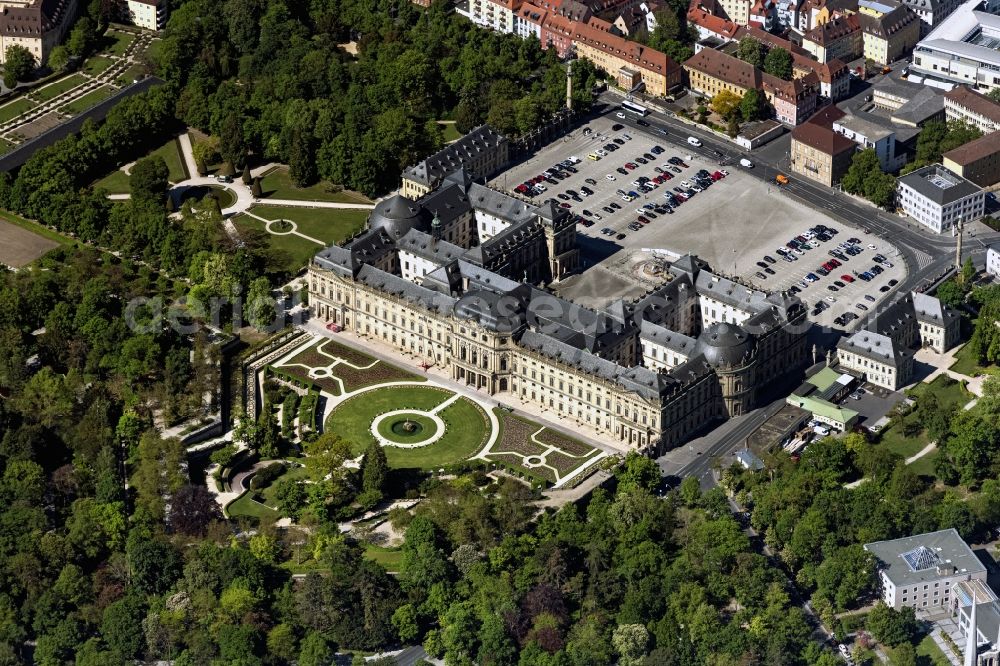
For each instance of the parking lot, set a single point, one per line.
(732, 223)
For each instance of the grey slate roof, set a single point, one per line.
(672, 340)
(946, 545)
(499, 204)
(408, 291)
(875, 346)
(920, 180)
(424, 245)
(931, 310)
(432, 170)
(927, 103)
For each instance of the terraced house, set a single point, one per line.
(455, 278)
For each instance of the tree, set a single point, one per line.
(690, 491)
(270, 434)
(639, 471)
(865, 177)
(778, 62)
(994, 95)
(58, 57)
(246, 178)
(148, 180)
(950, 293)
(316, 650)
(19, 65)
(374, 469)
(192, 508)
(751, 51)
(83, 38)
(891, 627)
(630, 642)
(968, 272)
(260, 307)
(232, 144)
(753, 105)
(903, 655)
(726, 104)
(255, 189)
(302, 158)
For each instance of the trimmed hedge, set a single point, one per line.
(262, 478)
(307, 411)
(289, 408)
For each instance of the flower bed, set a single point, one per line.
(516, 436)
(348, 354)
(513, 463)
(563, 463)
(566, 444)
(379, 374)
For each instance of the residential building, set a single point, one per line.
(976, 610)
(938, 199)
(528, 21)
(737, 11)
(659, 73)
(710, 25)
(931, 12)
(993, 260)
(813, 13)
(921, 571)
(889, 37)
(821, 394)
(710, 72)
(649, 9)
(883, 352)
(148, 14)
(819, 153)
(834, 76)
(840, 37)
(494, 14)
(450, 277)
(961, 49)
(557, 33)
(868, 133)
(963, 104)
(483, 152)
(764, 14)
(877, 8)
(977, 161)
(37, 25)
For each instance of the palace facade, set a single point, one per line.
(456, 277)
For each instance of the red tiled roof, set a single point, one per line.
(979, 104)
(834, 29)
(822, 138)
(725, 67)
(715, 24)
(975, 150)
(639, 55)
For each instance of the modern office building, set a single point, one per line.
(920, 571)
(938, 198)
(962, 49)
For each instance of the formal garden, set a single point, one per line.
(424, 426)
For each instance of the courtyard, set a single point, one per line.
(732, 225)
(425, 425)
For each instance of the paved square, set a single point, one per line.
(733, 224)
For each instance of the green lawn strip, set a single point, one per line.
(330, 225)
(394, 429)
(966, 362)
(924, 466)
(5, 146)
(129, 76)
(450, 132)
(353, 418)
(293, 252)
(391, 559)
(171, 154)
(893, 439)
(308, 566)
(929, 654)
(325, 383)
(514, 462)
(59, 87)
(14, 109)
(245, 506)
(277, 184)
(90, 99)
(117, 182)
(949, 392)
(36, 228)
(292, 473)
(97, 64)
(119, 42)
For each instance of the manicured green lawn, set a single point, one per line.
(293, 473)
(15, 108)
(117, 182)
(466, 425)
(450, 132)
(326, 224)
(5, 146)
(291, 252)
(129, 76)
(949, 393)
(966, 362)
(391, 559)
(224, 196)
(278, 185)
(59, 87)
(171, 154)
(90, 99)
(116, 42)
(245, 506)
(35, 228)
(97, 64)
(929, 654)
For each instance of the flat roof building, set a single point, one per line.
(919, 571)
(939, 199)
(963, 49)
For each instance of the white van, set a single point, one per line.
(746, 164)
(694, 142)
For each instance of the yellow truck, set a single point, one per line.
(781, 179)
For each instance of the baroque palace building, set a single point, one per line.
(453, 277)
